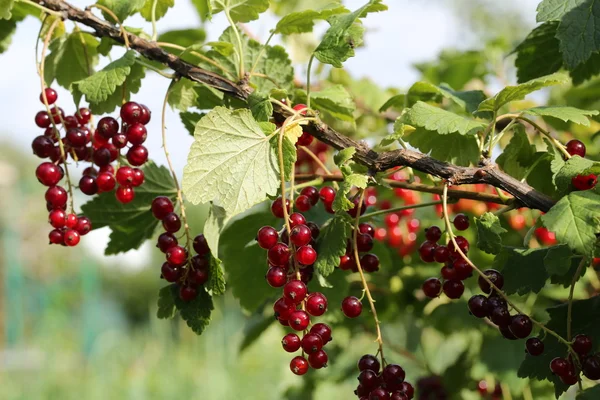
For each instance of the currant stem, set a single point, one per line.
(195, 53)
(312, 57)
(320, 164)
(402, 208)
(541, 130)
(581, 265)
(450, 233)
(152, 68)
(366, 290)
(63, 154)
(163, 126)
(239, 40)
(262, 50)
(154, 31)
(40, 7)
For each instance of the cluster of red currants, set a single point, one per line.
(386, 384)
(369, 262)
(189, 274)
(68, 227)
(456, 269)
(568, 372)
(580, 182)
(107, 143)
(290, 259)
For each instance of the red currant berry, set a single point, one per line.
(500, 316)
(441, 254)
(318, 360)
(369, 262)
(393, 376)
(351, 307)
(131, 112)
(461, 222)
(119, 141)
(102, 156)
(161, 206)
(584, 182)
(137, 155)
(108, 127)
(107, 168)
(347, 263)
(136, 133)
(283, 308)
(478, 306)
(267, 237)
(70, 122)
(301, 107)
(138, 177)
(311, 343)
(495, 277)
(42, 146)
(83, 116)
(42, 119)
(463, 269)
(407, 389)
(56, 236)
(305, 139)
(591, 367)
(448, 272)
(463, 245)
(171, 222)
(379, 394)
(87, 185)
(559, 366)
(188, 293)
(56, 196)
(277, 207)
(427, 250)
(176, 256)
(322, 330)
(51, 96)
(576, 148)
(432, 287)
(124, 175)
(49, 174)
(71, 237)
(276, 277)
(279, 255)
(316, 304)
(295, 291)
(398, 395)
(299, 365)
(369, 379)
(312, 193)
(71, 221)
(299, 320)
(368, 361)
(306, 255)
(105, 182)
(201, 245)
(297, 219)
(433, 234)
(125, 194)
(57, 218)
(302, 202)
(327, 194)
(84, 225)
(145, 115)
(291, 342)
(582, 344)
(364, 242)
(166, 241)
(453, 289)
(367, 229)
(300, 235)
(534, 346)
(169, 273)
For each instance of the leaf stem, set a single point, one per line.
(195, 53)
(44, 9)
(312, 57)
(117, 21)
(319, 163)
(262, 50)
(570, 301)
(154, 31)
(152, 68)
(544, 132)
(239, 40)
(366, 290)
(402, 208)
(163, 127)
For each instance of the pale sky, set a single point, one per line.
(411, 31)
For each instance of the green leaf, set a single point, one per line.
(572, 167)
(443, 122)
(304, 21)
(336, 101)
(456, 68)
(244, 261)
(7, 29)
(183, 37)
(332, 243)
(121, 8)
(183, 95)
(131, 223)
(489, 233)
(162, 6)
(5, 7)
(540, 44)
(586, 70)
(133, 83)
(214, 225)
(554, 10)
(240, 10)
(575, 220)
(399, 130)
(398, 102)
(513, 93)
(455, 148)
(426, 91)
(71, 58)
(592, 393)
(558, 260)
(523, 269)
(98, 87)
(230, 162)
(586, 314)
(577, 33)
(216, 281)
(564, 113)
(261, 107)
(343, 156)
(204, 9)
(190, 119)
(166, 303)
(344, 35)
(518, 155)
(195, 313)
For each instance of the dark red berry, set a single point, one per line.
(582, 344)
(478, 306)
(496, 277)
(276, 277)
(322, 330)
(576, 148)
(407, 389)
(108, 127)
(70, 122)
(506, 333)
(299, 320)
(119, 141)
(461, 222)
(433, 234)
(300, 235)
(393, 376)
(500, 316)
(42, 119)
(56, 236)
(366, 229)
(351, 307)
(312, 193)
(299, 365)
(136, 133)
(379, 394)
(297, 219)
(145, 115)
(432, 287)
(71, 237)
(87, 185)
(51, 96)
(368, 361)
(267, 237)
(42, 146)
(171, 222)
(166, 241)
(137, 155)
(131, 112)
(369, 262)
(125, 194)
(303, 203)
(102, 156)
(364, 242)
(463, 245)
(279, 255)
(591, 367)
(441, 254)
(306, 255)
(291, 342)
(354, 210)
(176, 256)
(57, 218)
(427, 250)
(277, 207)
(138, 177)
(161, 206)
(327, 194)
(188, 293)
(56, 196)
(560, 366)
(124, 175)
(305, 139)
(521, 326)
(369, 379)
(462, 268)
(534, 346)
(201, 245)
(584, 182)
(83, 226)
(105, 182)
(283, 308)
(83, 116)
(49, 174)
(169, 273)
(318, 360)
(295, 291)
(453, 289)
(316, 304)
(311, 343)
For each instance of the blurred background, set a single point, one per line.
(77, 324)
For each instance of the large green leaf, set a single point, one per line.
(162, 6)
(304, 21)
(100, 86)
(131, 223)
(489, 233)
(575, 220)
(332, 243)
(121, 8)
(336, 101)
(564, 113)
(71, 58)
(441, 121)
(454, 147)
(230, 162)
(577, 33)
(344, 35)
(513, 93)
(240, 10)
(554, 10)
(540, 44)
(5, 7)
(518, 155)
(523, 269)
(183, 94)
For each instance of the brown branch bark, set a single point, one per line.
(487, 172)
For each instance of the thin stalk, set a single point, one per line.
(366, 290)
(503, 131)
(490, 133)
(544, 132)
(154, 30)
(319, 163)
(239, 41)
(267, 77)
(262, 50)
(397, 209)
(117, 21)
(282, 105)
(152, 68)
(195, 53)
(44, 9)
(314, 182)
(581, 265)
(312, 57)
